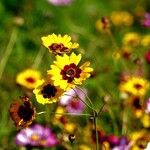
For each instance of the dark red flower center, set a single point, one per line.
(138, 86)
(70, 72)
(26, 111)
(55, 46)
(49, 91)
(136, 103)
(30, 79)
(74, 103)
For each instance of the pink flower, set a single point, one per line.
(60, 2)
(146, 20)
(147, 56)
(72, 100)
(148, 106)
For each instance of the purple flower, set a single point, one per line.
(60, 2)
(36, 136)
(148, 106)
(72, 99)
(146, 20)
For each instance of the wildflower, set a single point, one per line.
(84, 147)
(146, 40)
(36, 136)
(131, 39)
(28, 78)
(148, 106)
(102, 24)
(66, 73)
(122, 18)
(46, 92)
(146, 20)
(60, 2)
(59, 44)
(22, 113)
(145, 119)
(139, 140)
(126, 52)
(72, 99)
(136, 86)
(147, 57)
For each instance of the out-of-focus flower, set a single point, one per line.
(72, 99)
(148, 106)
(147, 56)
(146, 40)
(46, 92)
(131, 39)
(59, 44)
(22, 113)
(84, 147)
(126, 52)
(145, 119)
(136, 86)
(139, 140)
(28, 78)
(36, 136)
(123, 144)
(60, 2)
(146, 20)
(121, 18)
(102, 24)
(66, 73)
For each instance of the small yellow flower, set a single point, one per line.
(121, 18)
(66, 73)
(84, 147)
(146, 40)
(70, 127)
(146, 120)
(136, 86)
(28, 78)
(46, 92)
(59, 44)
(131, 39)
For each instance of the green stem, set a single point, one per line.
(95, 127)
(69, 114)
(8, 50)
(38, 58)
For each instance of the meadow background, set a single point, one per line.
(24, 22)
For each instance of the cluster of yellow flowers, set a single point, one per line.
(65, 73)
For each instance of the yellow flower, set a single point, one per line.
(28, 78)
(136, 86)
(139, 139)
(66, 73)
(84, 147)
(132, 39)
(122, 18)
(146, 120)
(146, 40)
(59, 44)
(46, 92)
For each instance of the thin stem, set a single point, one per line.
(69, 114)
(95, 126)
(124, 122)
(100, 110)
(38, 58)
(8, 51)
(85, 95)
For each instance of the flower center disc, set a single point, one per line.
(30, 80)
(60, 47)
(70, 72)
(49, 91)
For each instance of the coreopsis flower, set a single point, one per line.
(147, 57)
(102, 24)
(145, 119)
(145, 40)
(67, 73)
(58, 44)
(46, 92)
(72, 100)
(132, 39)
(136, 86)
(28, 78)
(121, 18)
(22, 113)
(139, 140)
(60, 2)
(146, 20)
(36, 136)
